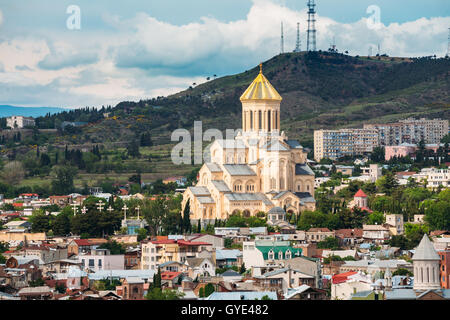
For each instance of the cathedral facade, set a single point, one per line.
(257, 170)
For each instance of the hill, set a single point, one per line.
(319, 90)
(8, 111)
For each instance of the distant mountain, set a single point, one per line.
(8, 111)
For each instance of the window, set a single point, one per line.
(82, 262)
(99, 262)
(280, 255)
(91, 262)
(271, 255)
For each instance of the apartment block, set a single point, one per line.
(19, 122)
(334, 144)
(410, 131)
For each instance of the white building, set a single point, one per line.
(375, 233)
(101, 259)
(18, 122)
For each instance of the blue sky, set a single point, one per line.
(135, 49)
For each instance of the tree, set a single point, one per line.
(133, 149)
(378, 155)
(186, 224)
(61, 225)
(13, 173)
(40, 222)
(402, 272)
(242, 269)
(209, 289)
(63, 181)
(387, 183)
(142, 234)
(114, 247)
(375, 218)
(167, 294)
(157, 279)
(329, 243)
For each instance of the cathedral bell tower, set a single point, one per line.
(261, 107)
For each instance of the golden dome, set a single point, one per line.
(261, 89)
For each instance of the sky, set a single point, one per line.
(139, 49)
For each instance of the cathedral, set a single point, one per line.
(258, 170)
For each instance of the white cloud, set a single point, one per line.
(142, 57)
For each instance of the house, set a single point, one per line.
(289, 278)
(173, 266)
(305, 292)
(226, 258)
(101, 259)
(18, 225)
(349, 237)
(231, 276)
(132, 259)
(200, 267)
(133, 288)
(83, 246)
(257, 254)
(318, 234)
(375, 233)
(61, 201)
(35, 293)
(215, 241)
(243, 295)
(395, 223)
(345, 284)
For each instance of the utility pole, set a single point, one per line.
(282, 39)
(311, 35)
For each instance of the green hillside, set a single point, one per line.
(319, 90)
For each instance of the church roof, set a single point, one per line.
(276, 210)
(294, 144)
(220, 185)
(305, 197)
(303, 169)
(257, 196)
(213, 167)
(200, 191)
(360, 194)
(275, 146)
(239, 170)
(425, 250)
(205, 200)
(261, 89)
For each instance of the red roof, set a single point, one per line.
(193, 243)
(360, 194)
(19, 204)
(342, 277)
(163, 241)
(169, 275)
(82, 242)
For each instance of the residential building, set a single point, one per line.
(155, 253)
(318, 234)
(375, 233)
(410, 131)
(395, 221)
(101, 259)
(444, 268)
(335, 144)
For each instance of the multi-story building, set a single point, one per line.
(334, 144)
(155, 253)
(444, 267)
(17, 122)
(410, 131)
(438, 177)
(101, 259)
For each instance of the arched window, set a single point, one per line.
(288, 254)
(251, 120)
(269, 119)
(271, 255)
(280, 255)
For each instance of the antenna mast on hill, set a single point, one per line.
(298, 43)
(448, 44)
(311, 41)
(282, 39)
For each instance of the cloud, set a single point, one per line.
(142, 57)
(57, 61)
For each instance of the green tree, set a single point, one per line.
(61, 224)
(387, 183)
(63, 182)
(167, 294)
(40, 222)
(142, 234)
(329, 243)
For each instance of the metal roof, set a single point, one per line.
(220, 185)
(213, 167)
(303, 169)
(239, 170)
(200, 191)
(425, 250)
(248, 197)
